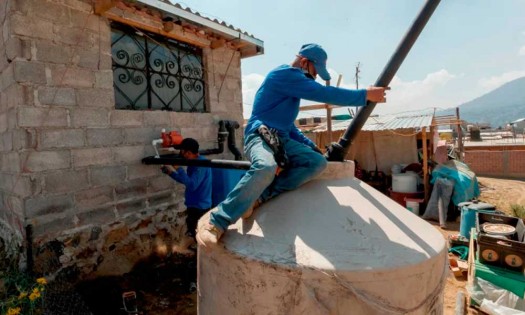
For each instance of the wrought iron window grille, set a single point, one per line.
(151, 72)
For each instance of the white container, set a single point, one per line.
(404, 183)
(396, 169)
(291, 258)
(413, 206)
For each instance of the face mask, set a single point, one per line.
(307, 74)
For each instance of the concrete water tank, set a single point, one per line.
(333, 246)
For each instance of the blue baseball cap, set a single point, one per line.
(318, 56)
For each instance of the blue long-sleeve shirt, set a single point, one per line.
(276, 103)
(198, 182)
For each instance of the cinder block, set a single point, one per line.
(85, 20)
(50, 11)
(6, 141)
(142, 136)
(29, 72)
(131, 189)
(142, 171)
(85, 157)
(126, 118)
(48, 52)
(42, 117)
(10, 162)
(108, 175)
(63, 138)
(37, 161)
(161, 183)
(56, 96)
(94, 197)
(128, 154)
(90, 117)
(66, 181)
(88, 58)
(133, 206)
(24, 139)
(45, 205)
(74, 36)
(26, 25)
(7, 77)
(181, 120)
(104, 137)
(69, 76)
(80, 5)
(52, 227)
(17, 48)
(3, 122)
(161, 200)
(104, 79)
(156, 118)
(16, 184)
(96, 98)
(100, 215)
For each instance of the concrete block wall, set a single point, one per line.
(497, 163)
(70, 162)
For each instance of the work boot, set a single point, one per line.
(208, 234)
(251, 209)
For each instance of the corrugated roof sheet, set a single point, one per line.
(223, 23)
(387, 122)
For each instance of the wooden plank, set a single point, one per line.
(313, 107)
(425, 162)
(199, 42)
(102, 6)
(460, 135)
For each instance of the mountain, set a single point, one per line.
(498, 107)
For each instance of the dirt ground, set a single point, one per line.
(500, 192)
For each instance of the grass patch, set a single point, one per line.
(518, 210)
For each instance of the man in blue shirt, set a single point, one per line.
(198, 182)
(275, 108)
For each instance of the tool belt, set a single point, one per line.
(270, 136)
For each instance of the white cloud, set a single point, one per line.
(404, 96)
(416, 94)
(522, 51)
(497, 81)
(250, 85)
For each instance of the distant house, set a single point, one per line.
(518, 125)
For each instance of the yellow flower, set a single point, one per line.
(22, 295)
(34, 295)
(41, 281)
(36, 290)
(13, 311)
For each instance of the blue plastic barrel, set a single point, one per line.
(223, 181)
(468, 215)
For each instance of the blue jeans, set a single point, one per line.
(260, 181)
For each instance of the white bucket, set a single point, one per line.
(396, 169)
(404, 183)
(413, 206)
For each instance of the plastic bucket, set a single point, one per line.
(468, 220)
(413, 205)
(404, 183)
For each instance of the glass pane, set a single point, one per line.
(130, 89)
(165, 92)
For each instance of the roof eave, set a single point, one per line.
(254, 46)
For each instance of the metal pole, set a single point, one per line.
(337, 151)
(173, 160)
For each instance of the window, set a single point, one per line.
(317, 120)
(302, 121)
(154, 72)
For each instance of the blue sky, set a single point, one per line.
(467, 49)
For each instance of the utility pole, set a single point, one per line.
(357, 71)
